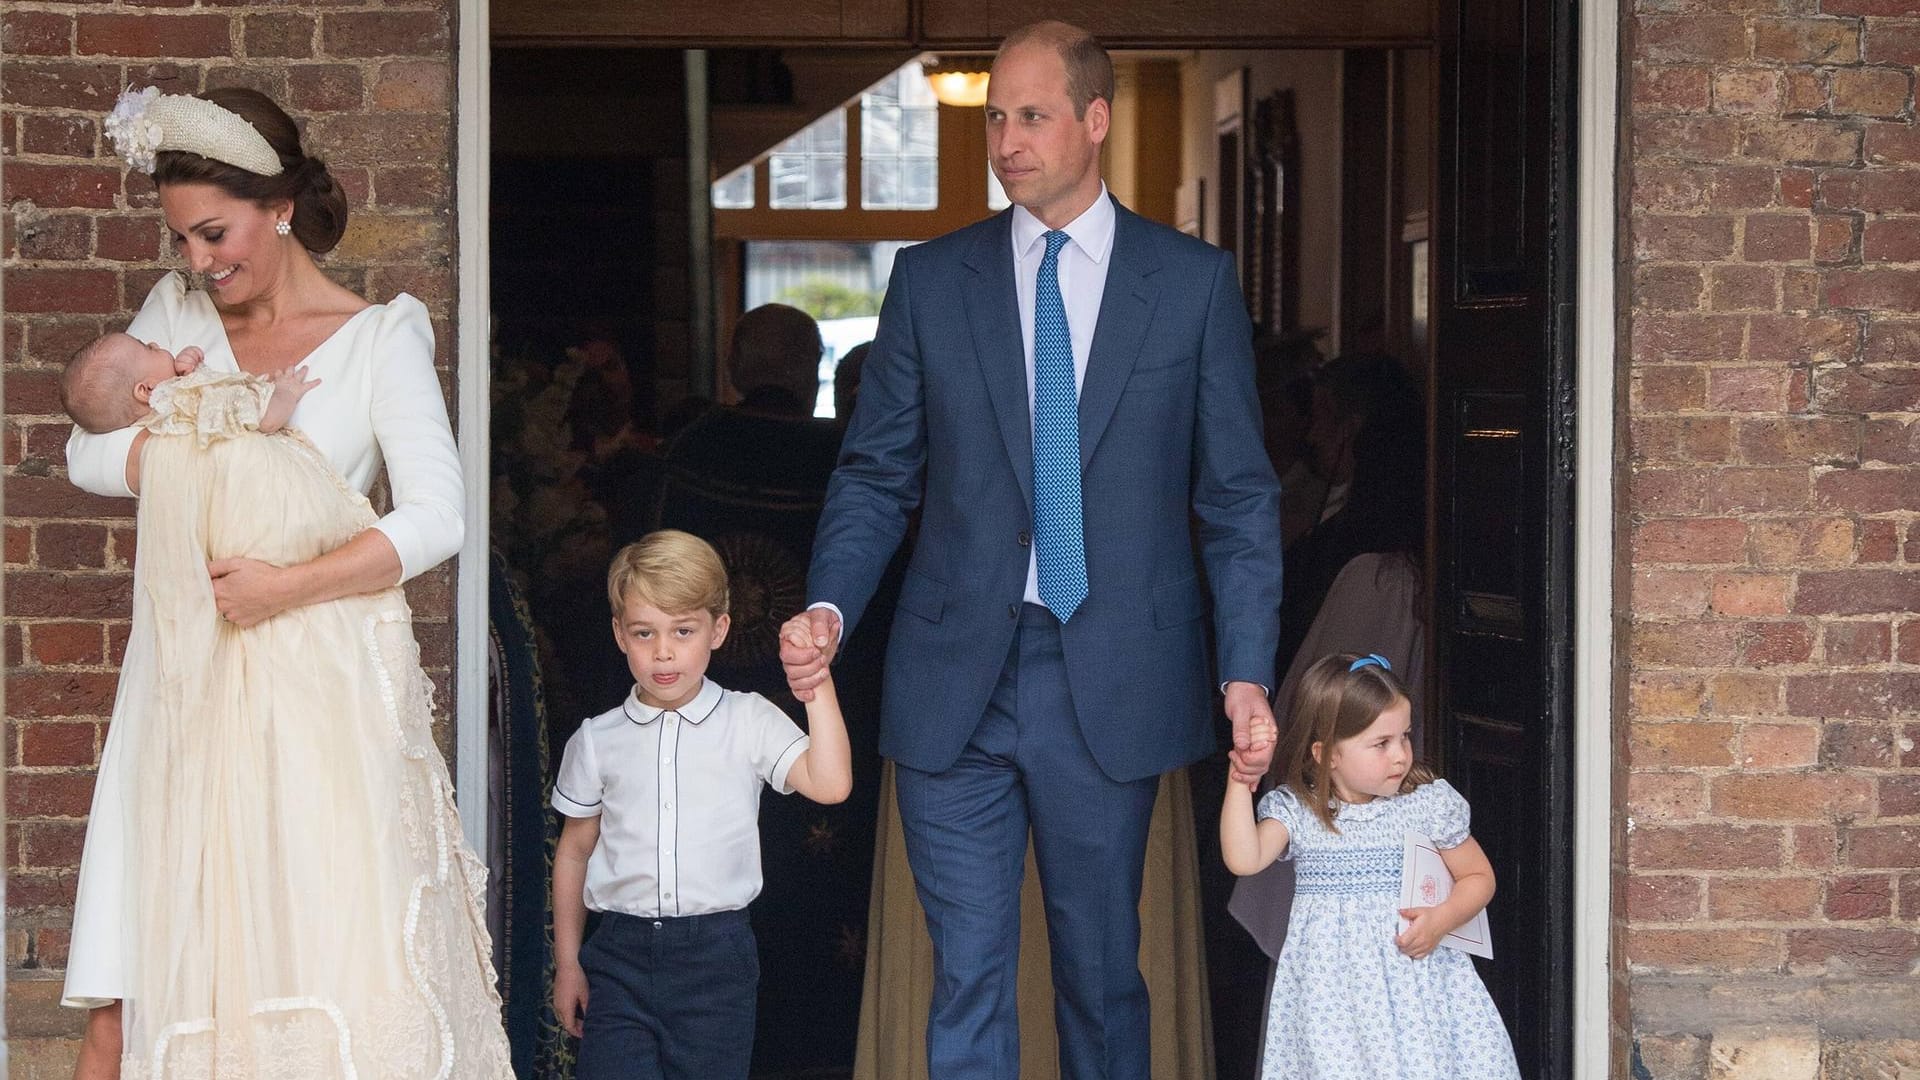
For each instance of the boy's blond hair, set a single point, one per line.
(672, 570)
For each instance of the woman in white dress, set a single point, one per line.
(332, 888)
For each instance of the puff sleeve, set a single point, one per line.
(1446, 813)
(98, 463)
(410, 423)
(1282, 805)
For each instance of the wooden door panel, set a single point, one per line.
(1223, 23)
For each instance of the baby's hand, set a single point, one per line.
(188, 360)
(293, 382)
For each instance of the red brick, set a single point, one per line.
(63, 693)
(1680, 745)
(1849, 695)
(36, 33)
(1811, 440)
(1778, 746)
(1691, 541)
(1665, 693)
(1714, 187)
(412, 188)
(37, 594)
(1704, 847)
(1777, 238)
(1792, 796)
(1691, 38)
(1907, 651)
(325, 87)
(1854, 643)
(1868, 388)
(1663, 898)
(1796, 188)
(1720, 951)
(58, 136)
(40, 892)
(91, 186)
(1657, 237)
(1879, 541)
(1884, 289)
(1802, 541)
(1762, 899)
(1855, 592)
(279, 34)
(1892, 240)
(1909, 745)
(1900, 796)
(127, 238)
(1747, 389)
(1857, 746)
(66, 546)
(1878, 191)
(1859, 896)
(1799, 289)
(1891, 341)
(1867, 7)
(1868, 91)
(168, 36)
(1690, 440)
(268, 79)
(1750, 594)
(1658, 89)
(413, 86)
(1805, 142)
(34, 290)
(1836, 239)
(59, 85)
(19, 545)
(1889, 41)
(1668, 338)
(1892, 144)
(1815, 847)
(1767, 643)
(1665, 796)
(1909, 897)
(1895, 442)
(1759, 489)
(36, 795)
(1667, 288)
(1686, 138)
(1666, 389)
(1865, 952)
(1745, 288)
(1668, 592)
(53, 744)
(1806, 41)
(384, 140)
(58, 643)
(1872, 491)
(391, 33)
(1747, 90)
(54, 845)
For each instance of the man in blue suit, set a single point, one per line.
(1059, 389)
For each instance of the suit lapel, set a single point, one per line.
(993, 313)
(1126, 309)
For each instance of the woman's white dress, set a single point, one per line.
(274, 880)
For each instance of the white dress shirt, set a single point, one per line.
(677, 792)
(1083, 281)
(379, 399)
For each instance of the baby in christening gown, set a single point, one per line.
(299, 899)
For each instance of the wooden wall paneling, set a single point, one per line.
(876, 20)
(693, 23)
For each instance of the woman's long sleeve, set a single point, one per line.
(410, 423)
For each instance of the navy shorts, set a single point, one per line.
(671, 998)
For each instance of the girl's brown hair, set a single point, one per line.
(319, 206)
(1333, 702)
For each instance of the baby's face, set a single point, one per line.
(148, 363)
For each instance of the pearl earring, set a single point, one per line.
(284, 228)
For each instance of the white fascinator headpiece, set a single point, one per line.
(145, 122)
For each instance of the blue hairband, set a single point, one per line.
(1370, 660)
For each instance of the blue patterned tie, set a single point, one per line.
(1058, 543)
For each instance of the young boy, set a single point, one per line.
(662, 799)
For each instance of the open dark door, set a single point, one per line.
(1503, 425)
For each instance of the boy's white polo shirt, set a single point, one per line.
(678, 797)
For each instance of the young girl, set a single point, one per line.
(1354, 996)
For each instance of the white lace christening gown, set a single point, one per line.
(298, 899)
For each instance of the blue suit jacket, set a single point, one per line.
(1177, 488)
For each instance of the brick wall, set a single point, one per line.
(1773, 642)
(82, 242)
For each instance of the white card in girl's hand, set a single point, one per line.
(1426, 882)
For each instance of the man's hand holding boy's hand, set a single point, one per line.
(807, 644)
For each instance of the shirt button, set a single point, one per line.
(667, 851)
(669, 805)
(666, 761)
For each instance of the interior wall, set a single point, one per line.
(1314, 77)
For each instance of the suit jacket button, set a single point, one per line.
(1013, 611)
(1026, 538)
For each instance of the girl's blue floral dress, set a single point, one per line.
(1347, 1004)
